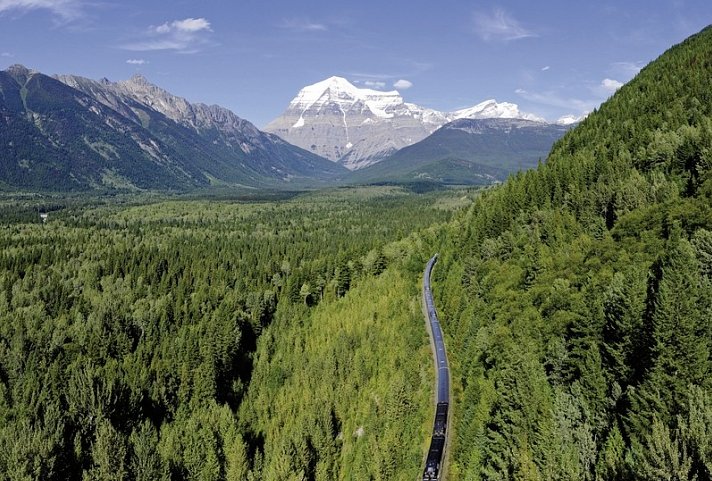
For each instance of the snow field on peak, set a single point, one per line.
(383, 104)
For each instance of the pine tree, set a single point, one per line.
(621, 322)
(676, 326)
(108, 455)
(146, 464)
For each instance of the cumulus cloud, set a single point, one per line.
(610, 85)
(403, 84)
(65, 10)
(499, 26)
(184, 36)
(136, 61)
(303, 25)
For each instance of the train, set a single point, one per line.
(437, 444)
(436, 452)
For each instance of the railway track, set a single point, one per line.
(434, 462)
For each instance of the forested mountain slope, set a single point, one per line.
(77, 134)
(468, 151)
(578, 297)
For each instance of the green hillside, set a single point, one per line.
(468, 151)
(578, 297)
(52, 139)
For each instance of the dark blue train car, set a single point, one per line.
(436, 453)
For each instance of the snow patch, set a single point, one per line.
(491, 109)
(570, 119)
(342, 92)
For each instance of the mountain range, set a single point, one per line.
(73, 133)
(358, 127)
(67, 132)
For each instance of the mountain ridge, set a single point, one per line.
(358, 127)
(468, 151)
(95, 134)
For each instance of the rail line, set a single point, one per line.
(438, 445)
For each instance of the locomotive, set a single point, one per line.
(437, 444)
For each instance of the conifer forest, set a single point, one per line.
(280, 337)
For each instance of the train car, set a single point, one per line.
(440, 420)
(434, 460)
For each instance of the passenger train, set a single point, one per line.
(434, 460)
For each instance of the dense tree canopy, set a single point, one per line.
(578, 297)
(131, 337)
(283, 340)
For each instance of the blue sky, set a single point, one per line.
(551, 57)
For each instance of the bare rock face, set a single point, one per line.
(357, 127)
(360, 127)
(170, 142)
(235, 139)
(128, 97)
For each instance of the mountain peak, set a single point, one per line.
(491, 109)
(20, 72)
(359, 126)
(339, 89)
(139, 79)
(19, 69)
(570, 119)
(337, 81)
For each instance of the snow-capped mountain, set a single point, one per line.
(490, 109)
(359, 127)
(570, 119)
(339, 121)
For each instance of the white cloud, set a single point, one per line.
(610, 85)
(66, 10)
(303, 25)
(554, 99)
(626, 69)
(6, 54)
(544, 69)
(403, 84)
(499, 26)
(184, 36)
(188, 25)
(374, 84)
(136, 61)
